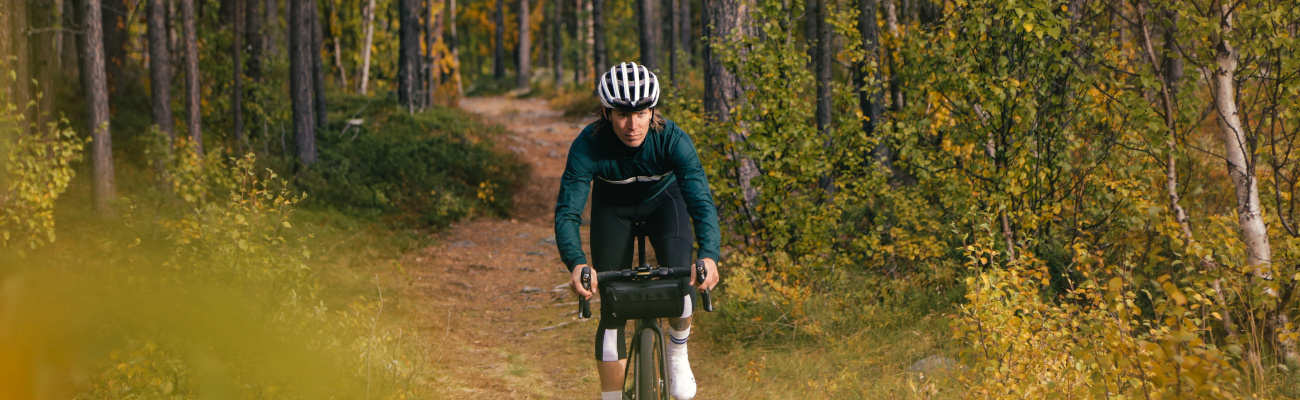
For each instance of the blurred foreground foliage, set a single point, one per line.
(206, 283)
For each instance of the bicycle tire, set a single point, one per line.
(647, 370)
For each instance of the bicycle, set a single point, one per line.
(646, 362)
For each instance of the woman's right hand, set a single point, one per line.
(575, 282)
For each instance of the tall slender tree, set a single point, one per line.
(727, 22)
(671, 28)
(192, 88)
(498, 46)
(237, 55)
(599, 55)
(557, 41)
(523, 64)
(409, 54)
(160, 73)
(273, 25)
(686, 42)
(317, 69)
(575, 27)
(104, 189)
(253, 38)
(647, 20)
(871, 93)
(822, 66)
(300, 81)
(1238, 149)
(366, 45)
(453, 44)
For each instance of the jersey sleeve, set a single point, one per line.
(575, 184)
(695, 188)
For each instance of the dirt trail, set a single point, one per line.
(488, 292)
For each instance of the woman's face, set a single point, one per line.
(630, 126)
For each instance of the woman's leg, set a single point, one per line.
(672, 236)
(611, 249)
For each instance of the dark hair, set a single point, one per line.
(657, 122)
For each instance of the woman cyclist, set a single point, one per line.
(645, 171)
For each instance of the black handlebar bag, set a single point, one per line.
(660, 298)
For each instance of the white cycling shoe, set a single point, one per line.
(682, 382)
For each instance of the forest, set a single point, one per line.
(919, 198)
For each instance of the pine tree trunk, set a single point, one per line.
(498, 46)
(237, 95)
(160, 73)
(557, 42)
(192, 87)
(365, 46)
(300, 83)
(575, 26)
(673, 15)
(317, 69)
(409, 55)
(600, 58)
(104, 188)
(588, 37)
(253, 40)
(524, 68)
(725, 23)
(648, 23)
(685, 41)
(822, 62)
(273, 26)
(871, 93)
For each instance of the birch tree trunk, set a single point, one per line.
(104, 189)
(1238, 151)
(365, 46)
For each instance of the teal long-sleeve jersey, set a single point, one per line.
(633, 176)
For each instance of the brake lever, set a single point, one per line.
(700, 274)
(584, 306)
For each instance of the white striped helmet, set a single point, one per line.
(628, 87)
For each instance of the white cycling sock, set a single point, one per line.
(677, 339)
(615, 395)
(683, 381)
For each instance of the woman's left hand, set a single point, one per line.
(710, 276)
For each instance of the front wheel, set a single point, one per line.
(651, 382)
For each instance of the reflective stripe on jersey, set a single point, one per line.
(652, 178)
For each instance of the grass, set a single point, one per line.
(871, 363)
